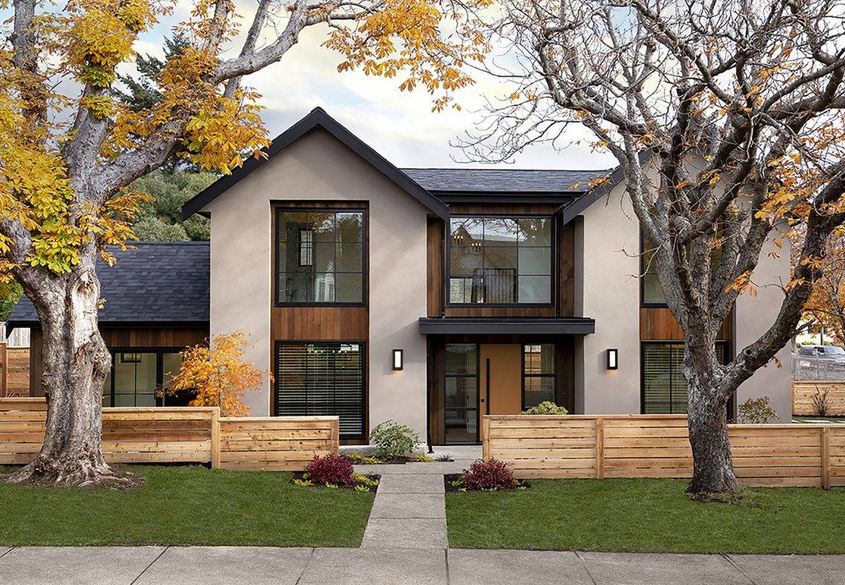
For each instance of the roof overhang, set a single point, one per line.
(317, 118)
(497, 326)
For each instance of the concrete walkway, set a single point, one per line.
(396, 566)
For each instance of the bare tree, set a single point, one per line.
(727, 119)
(66, 160)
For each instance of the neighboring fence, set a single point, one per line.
(618, 446)
(179, 435)
(807, 396)
(14, 371)
(810, 368)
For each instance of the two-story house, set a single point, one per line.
(433, 296)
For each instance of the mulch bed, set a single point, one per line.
(450, 478)
(299, 475)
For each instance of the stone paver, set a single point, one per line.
(509, 567)
(406, 533)
(376, 567)
(222, 565)
(76, 566)
(665, 569)
(792, 570)
(4, 550)
(415, 468)
(409, 506)
(411, 484)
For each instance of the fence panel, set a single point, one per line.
(658, 446)
(14, 370)
(276, 443)
(805, 393)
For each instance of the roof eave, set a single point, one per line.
(318, 118)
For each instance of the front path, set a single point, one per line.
(397, 566)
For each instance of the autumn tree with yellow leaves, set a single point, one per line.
(67, 159)
(217, 375)
(826, 305)
(727, 118)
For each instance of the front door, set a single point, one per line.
(461, 396)
(501, 378)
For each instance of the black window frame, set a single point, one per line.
(477, 376)
(364, 380)
(159, 352)
(675, 342)
(643, 266)
(554, 268)
(278, 210)
(553, 375)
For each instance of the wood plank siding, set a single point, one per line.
(658, 324)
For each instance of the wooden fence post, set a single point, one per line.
(600, 448)
(215, 438)
(826, 457)
(4, 368)
(485, 437)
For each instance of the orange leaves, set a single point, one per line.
(413, 38)
(742, 284)
(218, 375)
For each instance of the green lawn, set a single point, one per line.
(647, 516)
(186, 505)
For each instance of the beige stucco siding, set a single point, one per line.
(319, 167)
(754, 315)
(608, 291)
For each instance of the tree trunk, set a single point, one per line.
(75, 364)
(713, 472)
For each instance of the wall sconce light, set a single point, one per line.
(398, 359)
(612, 359)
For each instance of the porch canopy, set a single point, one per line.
(507, 326)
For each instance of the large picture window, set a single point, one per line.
(500, 260)
(664, 386)
(322, 379)
(320, 256)
(538, 374)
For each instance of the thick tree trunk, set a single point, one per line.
(713, 472)
(75, 365)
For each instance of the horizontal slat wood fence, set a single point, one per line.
(14, 370)
(803, 394)
(179, 435)
(633, 446)
(276, 443)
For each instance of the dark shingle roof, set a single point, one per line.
(464, 180)
(160, 282)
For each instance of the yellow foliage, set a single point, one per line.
(218, 375)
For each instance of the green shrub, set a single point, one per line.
(546, 408)
(756, 411)
(394, 441)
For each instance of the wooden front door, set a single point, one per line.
(500, 378)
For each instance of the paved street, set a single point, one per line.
(375, 566)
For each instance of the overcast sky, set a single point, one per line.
(399, 125)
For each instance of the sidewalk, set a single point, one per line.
(393, 566)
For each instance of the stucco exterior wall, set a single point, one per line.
(319, 167)
(754, 315)
(609, 292)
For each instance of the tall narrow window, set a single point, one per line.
(500, 260)
(320, 256)
(538, 374)
(322, 379)
(652, 291)
(664, 385)
(461, 397)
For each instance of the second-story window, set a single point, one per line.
(500, 260)
(320, 256)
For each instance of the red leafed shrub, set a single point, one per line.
(489, 474)
(330, 469)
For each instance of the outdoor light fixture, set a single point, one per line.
(397, 359)
(612, 359)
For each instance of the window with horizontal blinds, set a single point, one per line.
(322, 379)
(664, 385)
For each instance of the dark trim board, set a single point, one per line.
(497, 326)
(317, 118)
